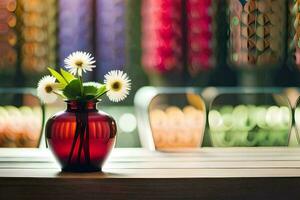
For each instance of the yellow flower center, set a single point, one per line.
(116, 86)
(79, 63)
(48, 88)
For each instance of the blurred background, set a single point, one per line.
(170, 43)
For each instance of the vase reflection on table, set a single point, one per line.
(81, 137)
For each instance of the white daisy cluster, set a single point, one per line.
(117, 84)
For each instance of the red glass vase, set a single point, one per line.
(81, 137)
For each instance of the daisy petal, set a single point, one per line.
(79, 61)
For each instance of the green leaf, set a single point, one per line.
(72, 90)
(67, 76)
(60, 86)
(101, 90)
(93, 89)
(90, 88)
(89, 97)
(59, 77)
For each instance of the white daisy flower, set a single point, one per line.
(46, 88)
(117, 84)
(79, 61)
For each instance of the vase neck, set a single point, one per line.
(81, 106)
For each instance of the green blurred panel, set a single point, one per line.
(133, 47)
(127, 125)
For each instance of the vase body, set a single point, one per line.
(81, 137)
(257, 33)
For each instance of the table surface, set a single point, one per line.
(210, 173)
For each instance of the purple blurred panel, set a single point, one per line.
(75, 27)
(110, 35)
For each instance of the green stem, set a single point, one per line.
(61, 95)
(81, 84)
(99, 95)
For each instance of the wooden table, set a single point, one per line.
(206, 173)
